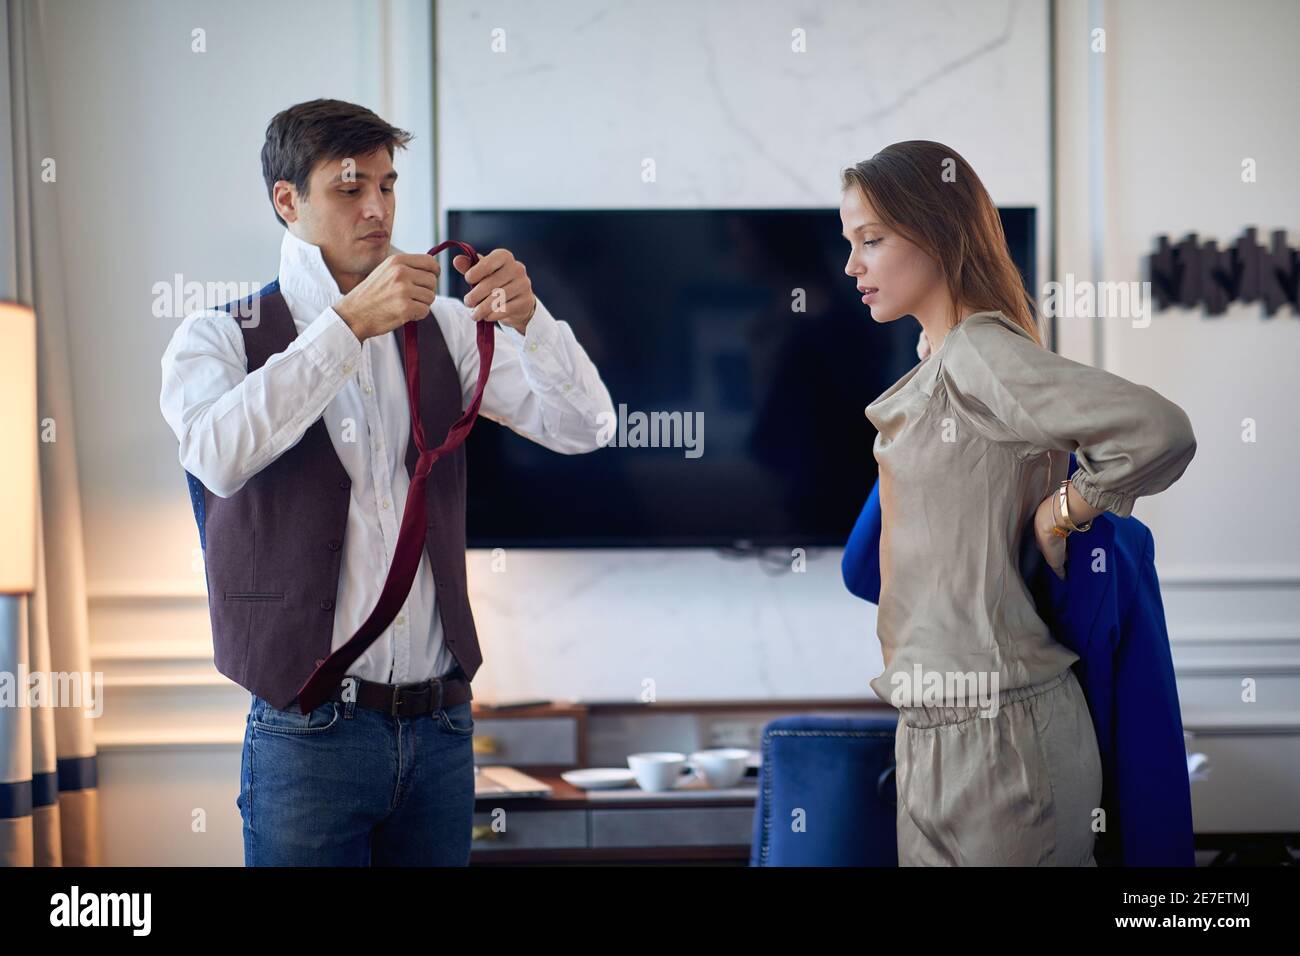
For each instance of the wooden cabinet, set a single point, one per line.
(686, 825)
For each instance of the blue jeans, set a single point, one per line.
(352, 786)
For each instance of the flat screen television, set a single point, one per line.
(742, 321)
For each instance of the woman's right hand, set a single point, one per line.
(1050, 544)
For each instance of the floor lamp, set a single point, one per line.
(18, 454)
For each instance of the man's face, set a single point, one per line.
(348, 212)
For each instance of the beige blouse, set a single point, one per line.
(970, 441)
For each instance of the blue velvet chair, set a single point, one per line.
(826, 793)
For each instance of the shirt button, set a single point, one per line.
(327, 605)
(335, 544)
(532, 346)
(347, 368)
(385, 504)
(401, 619)
(567, 386)
(367, 389)
(345, 484)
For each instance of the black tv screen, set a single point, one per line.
(740, 320)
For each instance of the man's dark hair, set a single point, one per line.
(305, 134)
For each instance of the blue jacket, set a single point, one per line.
(1115, 622)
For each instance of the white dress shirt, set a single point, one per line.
(231, 424)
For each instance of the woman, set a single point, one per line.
(997, 760)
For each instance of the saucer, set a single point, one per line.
(598, 778)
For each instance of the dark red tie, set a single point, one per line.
(327, 676)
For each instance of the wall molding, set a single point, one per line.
(1175, 576)
(167, 652)
(153, 742)
(157, 674)
(1279, 633)
(148, 593)
(1243, 576)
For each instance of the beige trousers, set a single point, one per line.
(1020, 788)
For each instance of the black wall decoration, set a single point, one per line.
(1192, 274)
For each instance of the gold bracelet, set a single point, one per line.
(1065, 508)
(1057, 528)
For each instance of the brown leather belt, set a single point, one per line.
(408, 700)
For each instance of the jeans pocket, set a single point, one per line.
(272, 720)
(457, 719)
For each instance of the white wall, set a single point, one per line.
(1185, 91)
(158, 151)
(732, 117)
(1150, 142)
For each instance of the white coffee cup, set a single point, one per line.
(657, 770)
(720, 767)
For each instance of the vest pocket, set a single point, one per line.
(254, 595)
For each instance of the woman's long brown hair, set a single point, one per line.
(930, 195)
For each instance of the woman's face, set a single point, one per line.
(897, 276)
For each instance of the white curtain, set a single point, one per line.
(49, 811)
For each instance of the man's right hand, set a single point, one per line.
(400, 289)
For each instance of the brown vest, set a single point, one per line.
(273, 549)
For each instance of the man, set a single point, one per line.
(295, 432)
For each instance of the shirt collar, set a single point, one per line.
(305, 280)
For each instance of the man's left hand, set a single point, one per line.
(500, 289)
